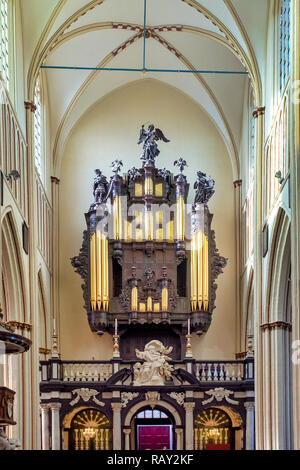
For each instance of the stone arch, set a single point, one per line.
(160, 403)
(234, 415)
(13, 288)
(278, 268)
(13, 273)
(68, 418)
(277, 333)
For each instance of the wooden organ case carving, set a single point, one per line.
(148, 259)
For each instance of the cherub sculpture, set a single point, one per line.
(204, 188)
(149, 137)
(181, 164)
(155, 370)
(116, 166)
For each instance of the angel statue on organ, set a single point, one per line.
(149, 137)
(155, 370)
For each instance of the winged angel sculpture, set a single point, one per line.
(155, 370)
(150, 148)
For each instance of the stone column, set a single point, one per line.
(127, 433)
(55, 254)
(55, 407)
(189, 425)
(295, 219)
(237, 211)
(45, 425)
(117, 406)
(179, 432)
(258, 114)
(250, 438)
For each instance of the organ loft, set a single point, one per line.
(149, 261)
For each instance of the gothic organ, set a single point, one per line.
(149, 259)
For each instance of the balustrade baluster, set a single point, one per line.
(101, 439)
(71, 376)
(107, 440)
(240, 372)
(209, 376)
(221, 373)
(226, 368)
(65, 369)
(203, 376)
(215, 373)
(196, 438)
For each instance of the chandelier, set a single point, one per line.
(89, 433)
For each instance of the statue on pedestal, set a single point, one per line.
(150, 147)
(204, 188)
(155, 370)
(100, 188)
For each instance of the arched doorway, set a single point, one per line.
(90, 430)
(153, 429)
(213, 430)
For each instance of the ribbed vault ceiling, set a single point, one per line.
(181, 34)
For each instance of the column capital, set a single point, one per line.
(189, 406)
(55, 180)
(249, 405)
(116, 406)
(30, 105)
(44, 406)
(237, 183)
(127, 431)
(55, 406)
(178, 431)
(258, 111)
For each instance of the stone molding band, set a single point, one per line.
(258, 111)
(276, 325)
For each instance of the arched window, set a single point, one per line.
(38, 127)
(4, 46)
(285, 36)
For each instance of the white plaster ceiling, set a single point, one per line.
(82, 34)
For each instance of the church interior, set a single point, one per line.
(150, 225)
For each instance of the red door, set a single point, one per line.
(154, 437)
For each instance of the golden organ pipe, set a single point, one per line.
(149, 304)
(170, 231)
(148, 186)
(164, 299)
(195, 274)
(200, 268)
(104, 266)
(180, 218)
(193, 285)
(149, 225)
(93, 271)
(134, 299)
(117, 215)
(98, 260)
(127, 231)
(205, 273)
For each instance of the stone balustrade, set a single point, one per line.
(83, 372)
(217, 371)
(101, 371)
